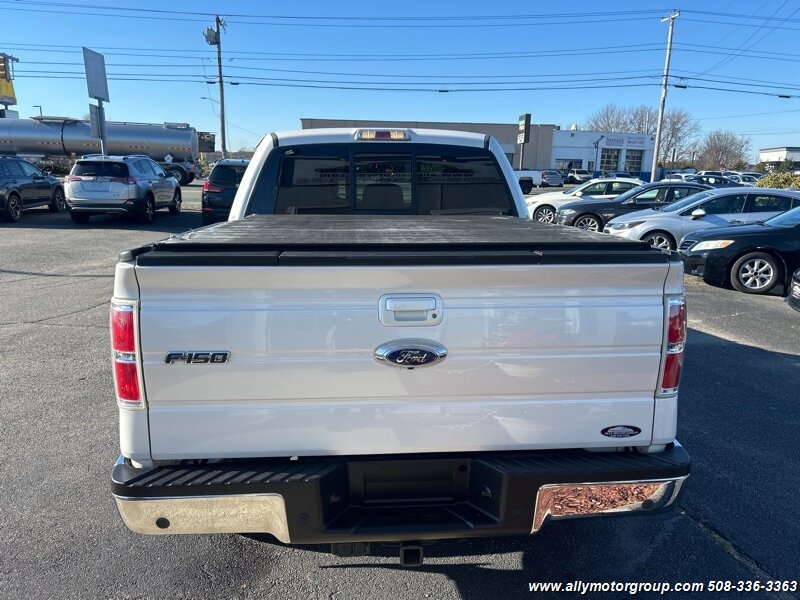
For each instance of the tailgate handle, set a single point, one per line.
(401, 310)
(410, 304)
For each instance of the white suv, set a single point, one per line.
(132, 185)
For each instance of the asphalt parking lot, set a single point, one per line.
(62, 537)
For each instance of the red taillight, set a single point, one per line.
(210, 187)
(122, 339)
(123, 347)
(676, 341)
(676, 332)
(69, 178)
(125, 180)
(673, 364)
(126, 378)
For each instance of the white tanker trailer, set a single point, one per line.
(173, 145)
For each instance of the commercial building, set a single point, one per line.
(550, 147)
(775, 156)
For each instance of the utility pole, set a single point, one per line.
(664, 82)
(214, 38)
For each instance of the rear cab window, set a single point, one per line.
(425, 179)
(86, 168)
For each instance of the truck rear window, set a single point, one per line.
(98, 168)
(376, 179)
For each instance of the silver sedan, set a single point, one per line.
(664, 228)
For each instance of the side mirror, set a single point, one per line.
(698, 213)
(579, 194)
(162, 175)
(630, 202)
(48, 172)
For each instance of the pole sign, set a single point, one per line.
(96, 82)
(524, 135)
(206, 141)
(96, 121)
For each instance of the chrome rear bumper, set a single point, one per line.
(390, 498)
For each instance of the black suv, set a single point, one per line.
(220, 189)
(23, 186)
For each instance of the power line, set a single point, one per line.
(251, 78)
(252, 20)
(718, 89)
(718, 22)
(741, 47)
(628, 74)
(761, 114)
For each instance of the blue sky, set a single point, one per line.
(286, 57)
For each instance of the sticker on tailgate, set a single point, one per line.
(621, 431)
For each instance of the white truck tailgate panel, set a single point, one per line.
(538, 357)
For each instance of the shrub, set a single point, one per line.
(780, 180)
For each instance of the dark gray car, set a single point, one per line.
(593, 214)
(220, 189)
(23, 186)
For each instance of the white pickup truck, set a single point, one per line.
(381, 346)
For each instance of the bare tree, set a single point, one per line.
(723, 149)
(642, 119)
(611, 118)
(678, 134)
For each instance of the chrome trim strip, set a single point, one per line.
(241, 513)
(574, 500)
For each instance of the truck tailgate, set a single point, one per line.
(547, 344)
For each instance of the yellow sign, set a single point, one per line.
(7, 95)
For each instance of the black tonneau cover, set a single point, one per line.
(276, 240)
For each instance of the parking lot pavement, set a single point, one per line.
(62, 537)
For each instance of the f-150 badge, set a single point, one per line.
(410, 354)
(216, 357)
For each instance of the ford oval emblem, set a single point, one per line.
(410, 354)
(621, 431)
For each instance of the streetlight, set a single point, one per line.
(597, 152)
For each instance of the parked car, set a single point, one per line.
(755, 174)
(793, 297)
(531, 178)
(593, 213)
(752, 258)
(552, 178)
(219, 190)
(748, 180)
(676, 176)
(543, 207)
(23, 186)
(618, 174)
(711, 173)
(132, 185)
(717, 181)
(577, 176)
(712, 208)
